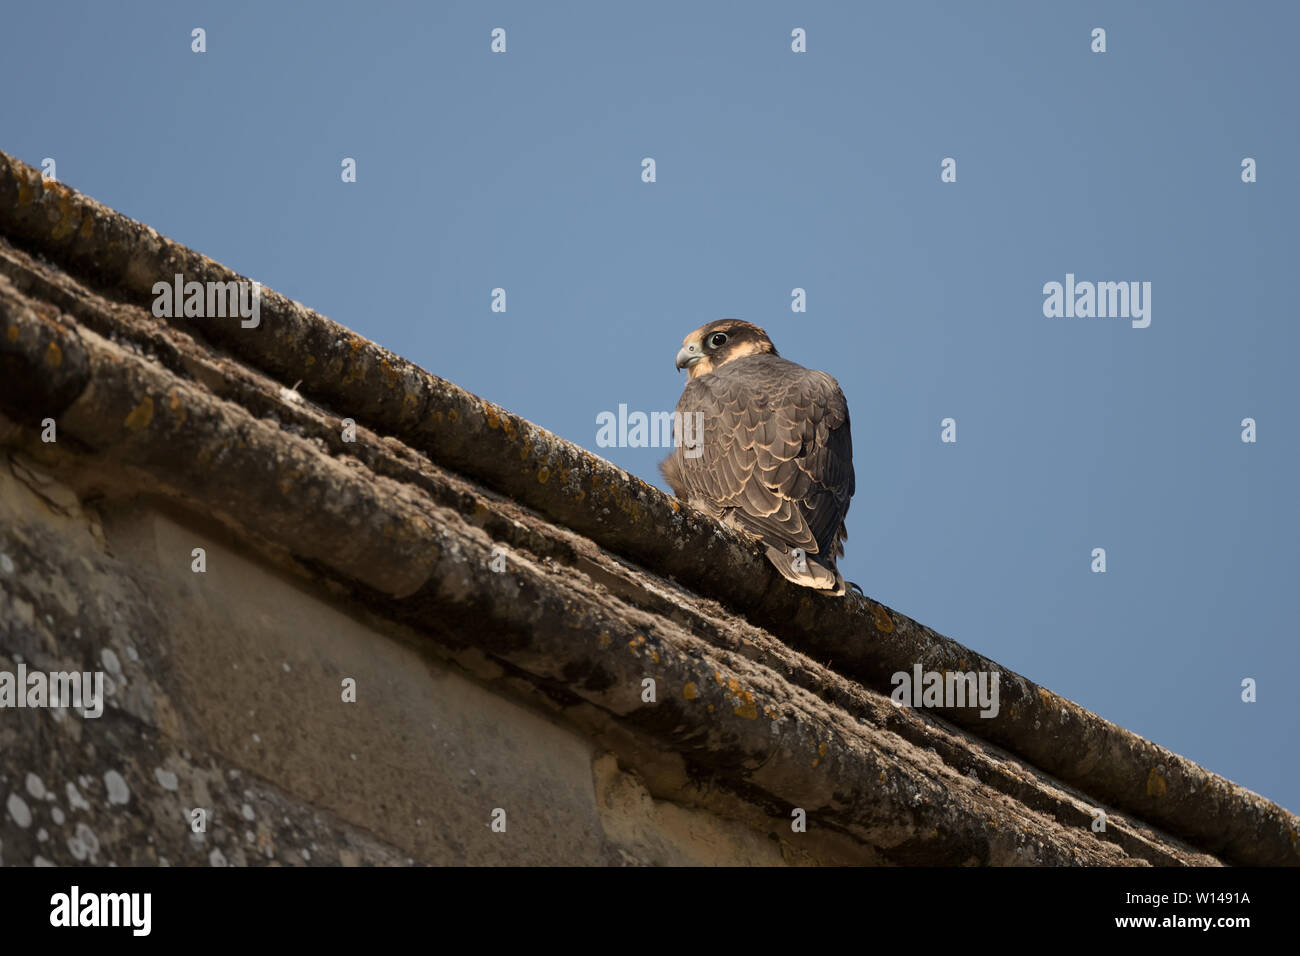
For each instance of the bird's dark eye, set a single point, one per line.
(717, 340)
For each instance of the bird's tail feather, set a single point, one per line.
(804, 571)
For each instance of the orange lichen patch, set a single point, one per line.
(543, 474)
(617, 496)
(631, 507)
(880, 617)
(489, 413)
(690, 691)
(87, 227)
(177, 406)
(821, 749)
(508, 426)
(453, 416)
(54, 355)
(24, 193)
(141, 416)
(1047, 698)
(390, 374)
(1156, 786)
(69, 215)
(743, 701)
(717, 676)
(654, 656)
(11, 333)
(676, 506)
(604, 640)
(710, 708)
(635, 643)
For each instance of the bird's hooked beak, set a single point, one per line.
(688, 355)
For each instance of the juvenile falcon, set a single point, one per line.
(772, 454)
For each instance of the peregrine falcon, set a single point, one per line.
(763, 445)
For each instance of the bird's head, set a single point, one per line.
(719, 342)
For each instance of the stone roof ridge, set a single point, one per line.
(252, 420)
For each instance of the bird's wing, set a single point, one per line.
(775, 447)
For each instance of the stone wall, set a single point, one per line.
(224, 693)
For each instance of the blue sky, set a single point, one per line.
(820, 171)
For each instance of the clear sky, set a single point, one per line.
(778, 170)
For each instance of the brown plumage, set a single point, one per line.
(773, 455)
